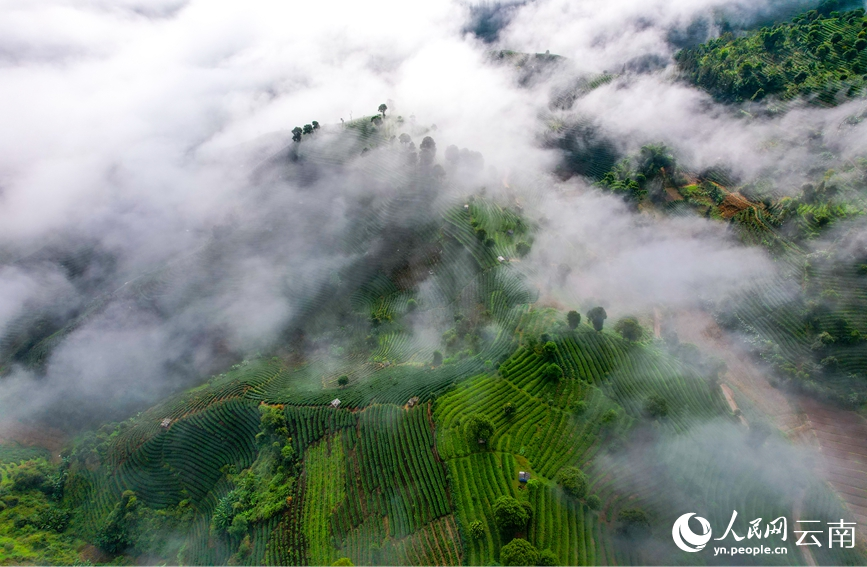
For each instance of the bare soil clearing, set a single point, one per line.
(30, 435)
(748, 379)
(839, 435)
(733, 204)
(842, 439)
(730, 399)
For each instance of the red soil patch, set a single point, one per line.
(733, 204)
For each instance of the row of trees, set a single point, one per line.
(299, 131)
(308, 129)
(512, 517)
(628, 327)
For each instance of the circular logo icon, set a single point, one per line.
(685, 538)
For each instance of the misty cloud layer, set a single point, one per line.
(136, 127)
(631, 263)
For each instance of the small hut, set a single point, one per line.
(523, 476)
(412, 401)
(166, 422)
(335, 403)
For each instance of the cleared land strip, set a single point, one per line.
(842, 437)
(699, 328)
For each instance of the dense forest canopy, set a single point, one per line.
(820, 56)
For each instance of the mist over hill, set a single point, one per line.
(217, 218)
(111, 181)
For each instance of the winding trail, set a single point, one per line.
(842, 441)
(733, 405)
(742, 376)
(840, 436)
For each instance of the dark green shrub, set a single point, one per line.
(597, 317)
(656, 406)
(629, 329)
(519, 552)
(633, 523)
(510, 515)
(574, 481)
(508, 409)
(548, 557)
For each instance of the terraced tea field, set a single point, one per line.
(364, 440)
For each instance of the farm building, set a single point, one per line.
(412, 401)
(335, 403)
(166, 422)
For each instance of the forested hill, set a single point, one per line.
(444, 388)
(819, 55)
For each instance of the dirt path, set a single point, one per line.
(742, 374)
(806, 551)
(842, 440)
(840, 436)
(733, 405)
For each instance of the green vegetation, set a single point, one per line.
(34, 523)
(656, 406)
(324, 492)
(116, 533)
(633, 522)
(419, 458)
(574, 319)
(519, 552)
(508, 409)
(597, 317)
(633, 178)
(510, 515)
(629, 328)
(262, 491)
(547, 557)
(807, 321)
(574, 481)
(820, 55)
(478, 429)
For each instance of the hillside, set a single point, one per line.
(257, 466)
(819, 56)
(341, 343)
